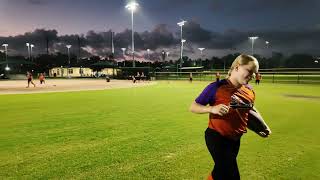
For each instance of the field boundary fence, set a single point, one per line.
(280, 75)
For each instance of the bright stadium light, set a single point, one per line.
(167, 53)
(132, 6)
(123, 51)
(201, 49)
(252, 38)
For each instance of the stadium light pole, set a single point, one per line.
(267, 44)
(7, 68)
(132, 6)
(181, 24)
(28, 45)
(68, 47)
(31, 46)
(148, 52)
(201, 49)
(167, 53)
(181, 55)
(252, 38)
(123, 53)
(163, 53)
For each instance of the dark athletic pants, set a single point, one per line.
(224, 152)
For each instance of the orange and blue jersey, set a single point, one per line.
(234, 123)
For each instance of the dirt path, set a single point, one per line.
(63, 85)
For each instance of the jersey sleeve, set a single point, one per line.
(207, 96)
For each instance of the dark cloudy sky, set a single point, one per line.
(220, 26)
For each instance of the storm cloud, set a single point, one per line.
(161, 39)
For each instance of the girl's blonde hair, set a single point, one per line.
(243, 60)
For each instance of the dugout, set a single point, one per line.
(128, 72)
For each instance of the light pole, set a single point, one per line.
(181, 24)
(252, 38)
(123, 53)
(167, 53)
(201, 49)
(181, 55)
(163, 55)
(148, 52)
(132, 6)
(28, 45)
(7, 68)
(31, 46)
(68, 46)
(267, 44)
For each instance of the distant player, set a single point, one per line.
(138, 77)
(30, 79)
(190, 77)
(217, 76)
(258, 78)
(143, 77)
(107, 78)
(134, 79)
(42, 78)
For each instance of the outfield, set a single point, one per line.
(147, 133)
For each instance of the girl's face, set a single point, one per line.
(244, 73)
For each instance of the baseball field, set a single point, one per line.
(145, 131)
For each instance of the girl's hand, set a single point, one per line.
(220, 109)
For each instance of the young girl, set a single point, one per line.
(42, 78)
(226, 125)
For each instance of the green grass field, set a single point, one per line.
(148, 133)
